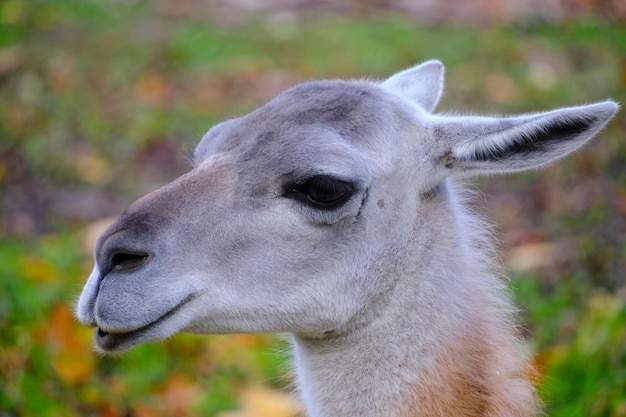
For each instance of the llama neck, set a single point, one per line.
(442, 347)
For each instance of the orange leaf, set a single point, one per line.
(150, 88)
(143, 410)
(73, 359)
(179, 394)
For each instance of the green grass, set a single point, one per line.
(579, 333)
(88, 91)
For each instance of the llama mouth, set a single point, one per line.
(112, 340)
(107, 342)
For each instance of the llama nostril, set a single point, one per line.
(126, 261)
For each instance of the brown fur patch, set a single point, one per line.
(476, 374)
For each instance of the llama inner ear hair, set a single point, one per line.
(508, 144)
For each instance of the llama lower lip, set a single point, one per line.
(109, 341)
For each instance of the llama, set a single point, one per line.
(334, 213)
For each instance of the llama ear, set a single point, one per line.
(509, 144)
(422, 84)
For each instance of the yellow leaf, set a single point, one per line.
(38, 270)
(260, 401)
(73, 369)
(533, 256)
(93, 169)
(233, 349)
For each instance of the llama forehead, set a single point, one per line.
(315, 125)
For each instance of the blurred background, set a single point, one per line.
(100, 99)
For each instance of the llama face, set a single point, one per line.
(273, 230)
(298, 217)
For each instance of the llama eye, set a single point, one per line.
(322, 192)
(123, 261)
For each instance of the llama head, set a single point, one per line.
(295, 215)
